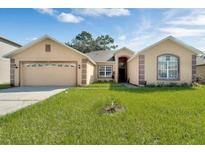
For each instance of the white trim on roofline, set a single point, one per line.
(16, 51)
(9, 42)
(194, 50)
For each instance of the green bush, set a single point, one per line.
(162, 84)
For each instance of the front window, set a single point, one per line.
(105, 71)
(168, 67)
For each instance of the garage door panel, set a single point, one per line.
(49, 74)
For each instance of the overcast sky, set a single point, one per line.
(133, 28)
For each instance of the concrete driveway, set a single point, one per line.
(13, 99)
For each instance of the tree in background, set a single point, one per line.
(85, 42)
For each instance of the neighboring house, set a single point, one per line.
(5, 47)
(46, 61)
(200, 68)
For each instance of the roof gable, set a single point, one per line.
(124, 48)
(173, 39)
(17, 51)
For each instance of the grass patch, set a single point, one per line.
(104, 85)
(164, 115)
(4, 86)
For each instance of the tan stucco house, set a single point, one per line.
(46, 62)
(6, 46)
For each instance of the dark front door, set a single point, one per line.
(122, 74)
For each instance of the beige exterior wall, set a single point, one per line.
(4, 71)
(168, 47)
(4, 62)
(91, 76)
(133, 71)
(104, 64)
(121, 53)
(37, 53)
(200, 72)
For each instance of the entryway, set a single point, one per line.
(122, 69)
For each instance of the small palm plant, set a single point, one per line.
(113, 107)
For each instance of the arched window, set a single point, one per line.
(168, 67)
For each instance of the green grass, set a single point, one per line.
(4, 86)
(152, 116)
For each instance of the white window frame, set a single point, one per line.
(167, 68)
(105, 70)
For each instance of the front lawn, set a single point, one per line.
(151, 116)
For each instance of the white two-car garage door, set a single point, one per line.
(48, 74)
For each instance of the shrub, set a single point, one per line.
(196, 84)
(185, 84)
(173, 84)
(160, 84)
(151, 85)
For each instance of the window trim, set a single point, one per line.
(105, 76)
(178, 58)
